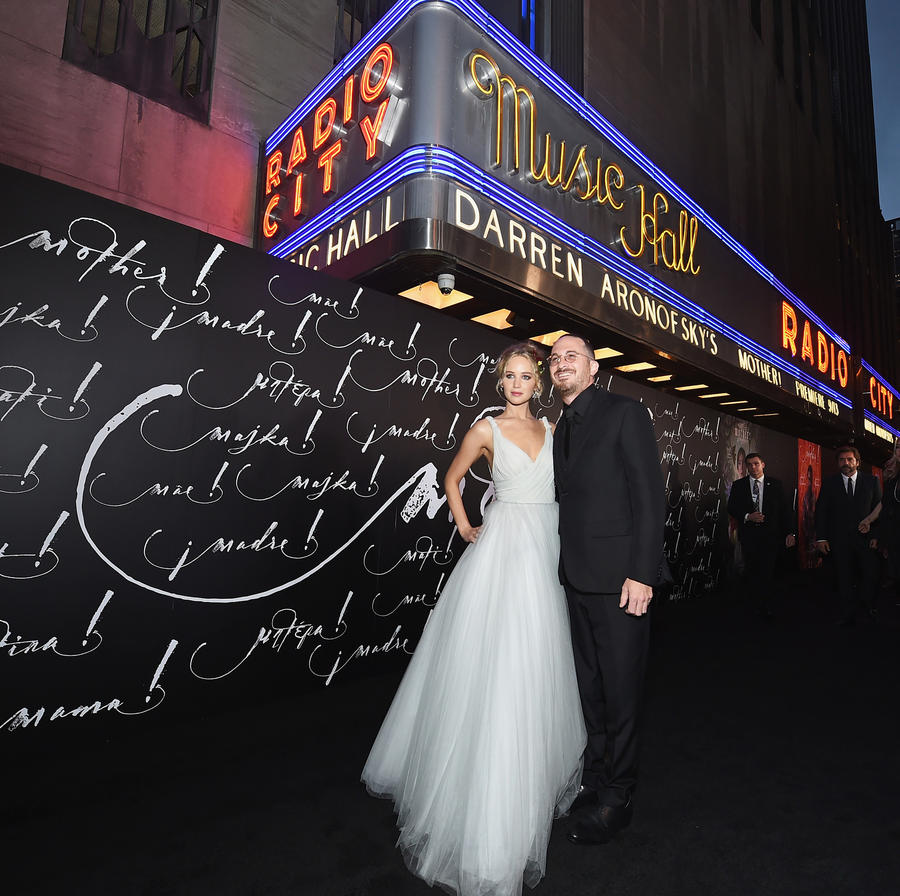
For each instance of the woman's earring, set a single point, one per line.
(499, 387)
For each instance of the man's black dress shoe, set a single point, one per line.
(585, 798)
(600, 824)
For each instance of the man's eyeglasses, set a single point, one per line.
(569, 358)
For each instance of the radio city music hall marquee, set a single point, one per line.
(319, 144)
(440, 116)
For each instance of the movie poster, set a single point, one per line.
(739, 434)
(809, 481)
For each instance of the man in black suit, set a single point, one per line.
(611, 525)
(845, 500)
(758, 505)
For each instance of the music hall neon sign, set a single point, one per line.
(323, 140)
(577, 173)
(816, 349)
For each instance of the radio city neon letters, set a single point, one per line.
(881, 398)
(330, 126)
(816, 349)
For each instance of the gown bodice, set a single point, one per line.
(517, 478)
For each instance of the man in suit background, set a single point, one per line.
(611, 525)
(763, 518)
(845, 500)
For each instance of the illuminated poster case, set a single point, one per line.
(441, 133)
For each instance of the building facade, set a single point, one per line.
(750, 120)
(95, 95)
(225, 468)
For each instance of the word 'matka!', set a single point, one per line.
(586, 179)
(330, 128)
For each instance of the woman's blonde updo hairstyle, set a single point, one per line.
(522, 350)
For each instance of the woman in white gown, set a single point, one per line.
(483, 741)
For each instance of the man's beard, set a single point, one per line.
(568, 387)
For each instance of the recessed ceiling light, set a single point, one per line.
(429, 294)
(770, 414)
(663, 378)
(690, 388)
(743, 410)
(638, 365)
(550, 338)
(726, 403)
(715, 395)
(495, 319)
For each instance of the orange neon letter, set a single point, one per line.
(369, 92)
(324, 122)
(371, 128)
(843, 365)
(822, 344)
(326, 162)
(270, 225)
(806, 352)
(349, 84)
(273, 171)
(298, 151)
(873, 391)
(788, 328)
(298, 195)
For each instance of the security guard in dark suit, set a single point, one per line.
(758, 504)
(845, 500)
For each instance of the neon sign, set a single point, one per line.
(817, 349)
(492, 142)
(330, 127)
(879, 396)
(587, 179)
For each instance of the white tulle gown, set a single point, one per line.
(483, 741)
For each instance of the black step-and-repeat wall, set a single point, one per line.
(702, 452)
(221, 474)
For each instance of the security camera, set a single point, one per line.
(446, 283)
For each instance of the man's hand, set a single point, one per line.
(790, 541)
(636, 597)
(864, 526)
(756, 517)
(822, 546)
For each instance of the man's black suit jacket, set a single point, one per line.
(611, 498)
(838, 515)
(774, 505)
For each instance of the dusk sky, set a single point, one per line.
(884, 45)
